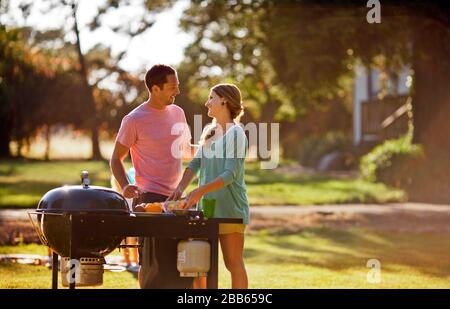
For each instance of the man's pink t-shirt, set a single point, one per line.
(154, 137)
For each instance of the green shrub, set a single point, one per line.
(314, 147)
(397, 154)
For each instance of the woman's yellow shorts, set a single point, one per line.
(228, 228)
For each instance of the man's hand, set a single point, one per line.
(175, 195)
(131, 191)
(194, 197)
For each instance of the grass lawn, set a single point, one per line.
(24, 182)
(313, 258)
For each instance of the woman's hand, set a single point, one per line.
(175, 195)
(194, 197)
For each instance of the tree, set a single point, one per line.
(38, 89)
(23, 74)
(42, 87)
(131, 29)
(11, 61)
(234, 41)
(331, 38)
(416, 35)
(310, 47)
(229, 44)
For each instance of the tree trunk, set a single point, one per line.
(20, 148)
(47, 142)
(92, 112)
(431, 95)
(431, 110)
(5, 139)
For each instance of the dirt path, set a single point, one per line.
(351, 208)
(406, 217)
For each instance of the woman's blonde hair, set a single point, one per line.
(232, 98)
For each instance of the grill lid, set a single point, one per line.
(83, 198)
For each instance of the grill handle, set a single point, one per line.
(85, 179)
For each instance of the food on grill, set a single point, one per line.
(172, 205)
(139, 208)
(154, 207)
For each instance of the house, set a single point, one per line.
(381, 105)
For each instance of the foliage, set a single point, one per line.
(314, 147)
(382, 157)
(31, 81)
(49, 68)
(230, 47)
(303, 50)
(313, 45)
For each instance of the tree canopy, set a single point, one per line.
(307, 51)
(77, 79)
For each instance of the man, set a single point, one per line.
(148, 133)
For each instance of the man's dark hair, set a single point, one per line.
(157, 75)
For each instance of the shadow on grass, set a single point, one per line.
(340, 250)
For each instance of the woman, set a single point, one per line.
(220, 160)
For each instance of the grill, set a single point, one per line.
(50, 222)
(84, 223)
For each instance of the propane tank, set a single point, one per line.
(193, 258)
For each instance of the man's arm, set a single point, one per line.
(188, 175)
(118, 170)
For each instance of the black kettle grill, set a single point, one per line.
(80, 199)
(50, 222)
(83, 224)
